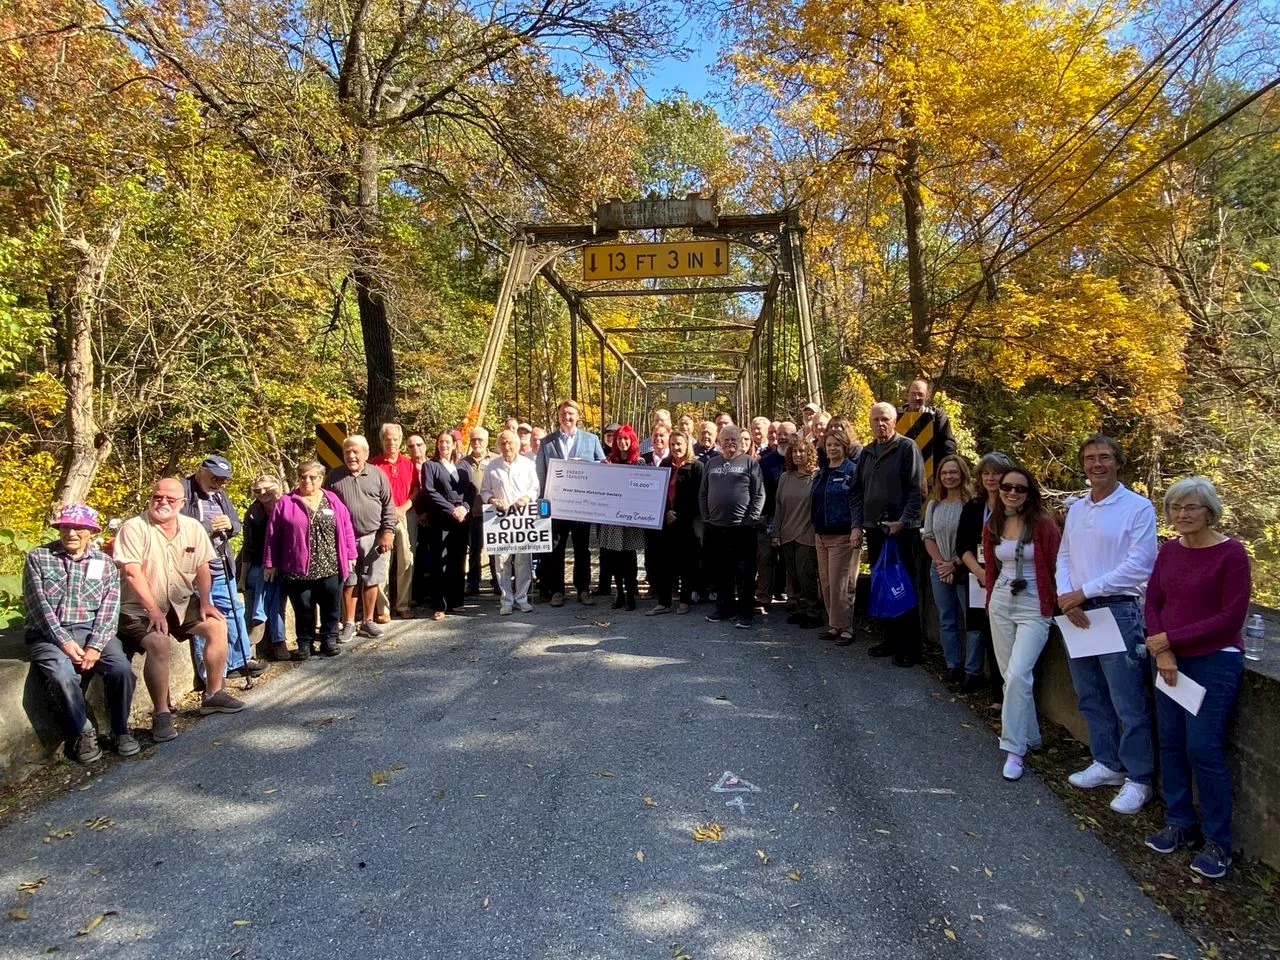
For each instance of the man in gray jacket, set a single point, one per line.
(886, 504)
(731, 501)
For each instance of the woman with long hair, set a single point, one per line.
(448, 492)
(620, 542)
(831, 510)
(793, 530)
(1020, 542)
(973, 518)
(674, 565)
(948, 576)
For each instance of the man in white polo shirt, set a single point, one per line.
(1107, 552)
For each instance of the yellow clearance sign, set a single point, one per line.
(642, 261)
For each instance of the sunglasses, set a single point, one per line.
(161, 498)
(1015, 488)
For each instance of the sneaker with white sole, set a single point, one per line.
(1212, 862)
(348, 632)
(371, 629)
(1131, 798)
(524, 606)
(1096, 775)
(1012, 767)
(504, 610)
(220, 702)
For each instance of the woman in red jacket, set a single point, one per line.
(1020, 542)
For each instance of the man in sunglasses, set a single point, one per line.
(208, 503)
(164, 560)
(1106, 556)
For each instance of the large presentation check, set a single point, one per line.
(607, 493)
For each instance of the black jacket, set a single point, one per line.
(969, 531)
(192, 508)
(440, 492)
(688, 483)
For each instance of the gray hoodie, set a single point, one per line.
(732, 491)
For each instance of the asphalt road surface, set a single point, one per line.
(529, 786)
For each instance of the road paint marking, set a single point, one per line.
(730, 783)
(936, 791)
(738, 802)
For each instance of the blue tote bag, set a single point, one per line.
(892, 594)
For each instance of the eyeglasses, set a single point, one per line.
(161, 498)
(1015, 488)
(1186, 508)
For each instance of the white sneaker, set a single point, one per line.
(1012, 767)
(1131, 798)
(524, 606)
(504, 610)
(1096, 775)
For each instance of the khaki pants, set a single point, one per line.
(837, 572)
(402, 549)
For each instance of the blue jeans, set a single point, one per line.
(1111, 691)
(238, 652)
(952, 601)
(1197, 744)
(267, 605)
(65, 686)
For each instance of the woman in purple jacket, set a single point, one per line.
(310, 542)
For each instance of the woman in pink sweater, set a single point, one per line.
(1197, 600)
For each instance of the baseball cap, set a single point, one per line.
(218, 466)
(523, 428)
(812, 406)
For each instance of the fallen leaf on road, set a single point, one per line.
(793, 875)
(378, 673)
(951, 934)
(796, 805)
(640, 855)
(970, 833)
(764, 857)
(480, 796)
(831, 809)
(529, 765)
(679, 953)
(271, 791)
(397, 767)
(599, 623)
(439, 794)
(1079, 894)
(56, 833)
(650, 802)
(602, 774)
(885, 832)
(976, 917)
(485, 903)
(240, 923)
(100, 823)
(987, 871)
(709, 831)
(18, 913)
(92, 925)
(31, 886)
(379, 778)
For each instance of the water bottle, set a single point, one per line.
(1254, 635)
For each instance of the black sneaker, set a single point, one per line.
(714, 617)
(1211, 862)
(955, 675)
(844, 639)
(973, 683)
(251, 668)
(744, 623)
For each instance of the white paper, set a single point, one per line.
(977, 593)
(1186, 692)
(1101, 636)
(97, 567)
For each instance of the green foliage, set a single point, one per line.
(13, 547)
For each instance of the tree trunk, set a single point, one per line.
(375, 328)
(913, 218)
(88, 446)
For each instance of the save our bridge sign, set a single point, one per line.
(640, 261)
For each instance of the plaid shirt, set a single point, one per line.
(59, 593)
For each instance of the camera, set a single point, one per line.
(1017, 586)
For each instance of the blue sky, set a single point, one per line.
(693, 76)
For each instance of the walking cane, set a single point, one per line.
(235, 615)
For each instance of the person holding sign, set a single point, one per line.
(619, 543)
(1196, 606)
(1107, 552)
(1020, 541)
(511, 480)
(569, 443)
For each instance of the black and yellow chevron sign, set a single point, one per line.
(329, 437)
(917, 425)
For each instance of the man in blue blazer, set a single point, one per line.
(569, 443)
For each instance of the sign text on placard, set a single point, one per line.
(639, 261)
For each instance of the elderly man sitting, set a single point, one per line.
(72, 596)
(164, 558)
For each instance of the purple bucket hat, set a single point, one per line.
(78, 515)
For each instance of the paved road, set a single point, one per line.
(517, 758)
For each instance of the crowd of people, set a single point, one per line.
(774, 513)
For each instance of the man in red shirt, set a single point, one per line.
(402, 472)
